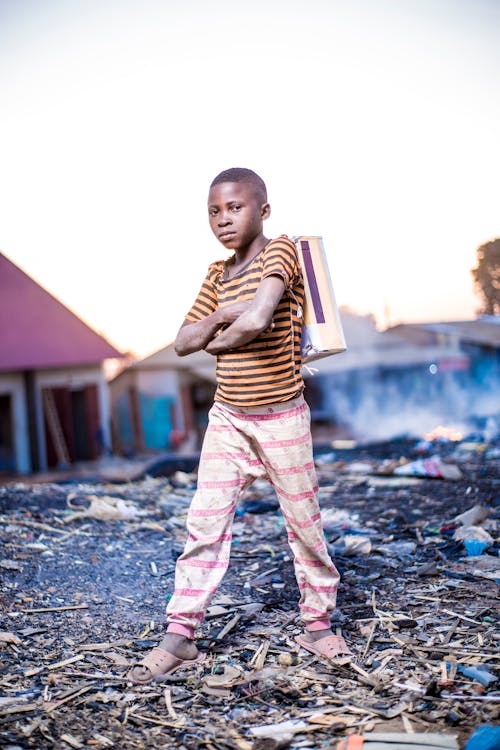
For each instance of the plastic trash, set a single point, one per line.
(324, 459)
(337, 520)
(360, 467)
(416, 740)
(474, 547)
(475, 539)
(479, 673)
(484, 738)
(352, 545)
(473, 516)
(284, 730)
(397, 549)
(104, 508)
(345, 445)
(448, 529)
(429, 467)
(257, 506)
(472, 532)
(423, 446)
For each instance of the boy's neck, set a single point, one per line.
(245, 254)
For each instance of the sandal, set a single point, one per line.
(330, 647)
(158, 663)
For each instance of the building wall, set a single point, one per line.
(159, 392)
(73, 379)
(167, 408)
(11, 384)
(157, 382)
(127, 439)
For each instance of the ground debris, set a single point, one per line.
(103, 508)
(82, 602)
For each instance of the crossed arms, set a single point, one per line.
(244, 321)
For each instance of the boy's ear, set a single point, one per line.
(265, 210)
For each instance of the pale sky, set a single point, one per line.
(375, 123)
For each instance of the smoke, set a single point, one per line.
(376, 405)
(374, 402)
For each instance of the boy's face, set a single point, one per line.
(236, 213)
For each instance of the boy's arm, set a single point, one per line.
(193, 336)
(254, 320)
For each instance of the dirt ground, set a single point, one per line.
(82, 598)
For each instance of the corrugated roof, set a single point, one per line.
(396, 348)
(200, 363)
(38, 331)
(366, 348)
(404, 345)
(483, 331)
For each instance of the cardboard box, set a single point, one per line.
(322, 334)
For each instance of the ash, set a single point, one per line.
(87, 568)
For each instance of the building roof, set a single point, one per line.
(398, 347)
(366, 348)
(199, 363)
(404, 345)
(484, 331)
(37, 331)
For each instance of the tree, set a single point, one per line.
(487, 276)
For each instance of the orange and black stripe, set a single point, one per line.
(267, 370)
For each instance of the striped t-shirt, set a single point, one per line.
(267, 369)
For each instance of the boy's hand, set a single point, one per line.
(254, 320)
(192, 337)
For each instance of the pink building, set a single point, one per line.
(54, 405)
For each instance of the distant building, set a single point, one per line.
(478, 340)
(406, 380)
(54, 406)
(161, 403)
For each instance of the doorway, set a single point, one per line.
(7, 449)
(72, 425)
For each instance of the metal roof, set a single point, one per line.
(199, 363)
(37, 331)
(484, 331)
(366, 348)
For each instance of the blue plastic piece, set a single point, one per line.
(484, 738)
(258, 506)
(474, 547)
(478, 673)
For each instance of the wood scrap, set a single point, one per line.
(82, 605)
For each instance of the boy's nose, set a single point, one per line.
(224, 220)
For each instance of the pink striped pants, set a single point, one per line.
(241, 445)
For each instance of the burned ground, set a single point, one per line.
(82, 598)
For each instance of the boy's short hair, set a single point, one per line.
(241, 174)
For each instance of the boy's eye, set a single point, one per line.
(236, 207)
(212, 212)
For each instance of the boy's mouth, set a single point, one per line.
(226, 236)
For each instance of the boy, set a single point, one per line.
(248, 314)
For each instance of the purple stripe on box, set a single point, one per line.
(311, 280)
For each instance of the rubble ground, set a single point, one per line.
(86, 570)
